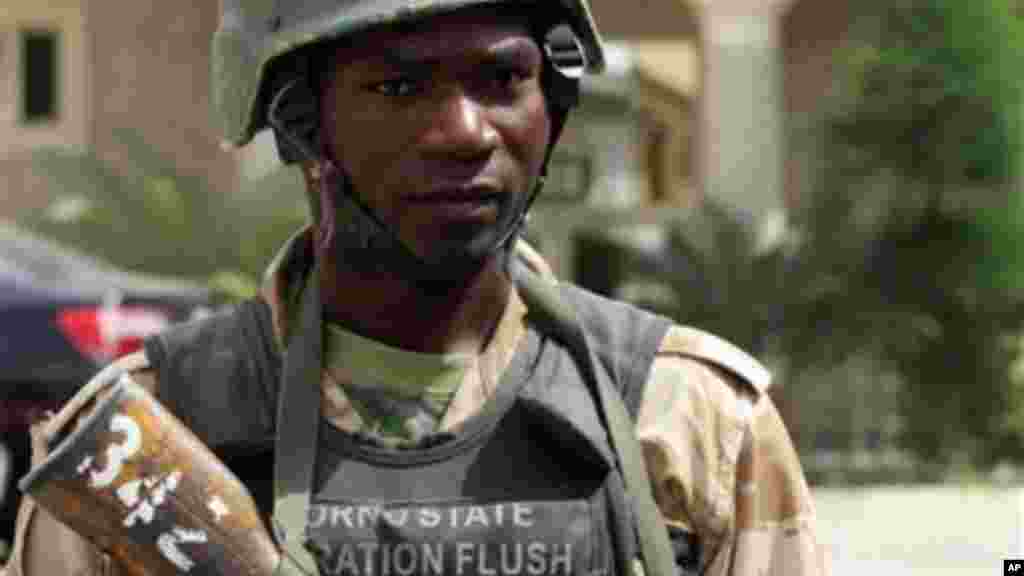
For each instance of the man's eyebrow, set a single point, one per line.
(513, 49)
(409, 59)
(497, 52)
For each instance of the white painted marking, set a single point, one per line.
(85, 465)
(168, 544)
(169, 484)
(117, 453)
(144, 512)
(146, 508)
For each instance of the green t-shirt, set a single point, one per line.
(400, 395)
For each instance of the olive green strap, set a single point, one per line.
(298, 421)
(654, 543)
(655, 549)
(289, 566)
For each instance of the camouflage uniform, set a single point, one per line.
(720, 460)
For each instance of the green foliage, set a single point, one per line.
(912, 253)
(145, 215)
(934, 90)
(265, 213)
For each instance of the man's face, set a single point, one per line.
(441, 128)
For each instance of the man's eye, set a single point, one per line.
(397, 87)
(509, 77)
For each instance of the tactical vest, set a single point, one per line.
(528, 486)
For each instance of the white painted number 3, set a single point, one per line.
(131, 494)
(117, 453)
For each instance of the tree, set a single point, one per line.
(911, 254)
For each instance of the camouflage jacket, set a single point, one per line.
(720, 460)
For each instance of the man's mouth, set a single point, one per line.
(456, 193)
(459, 202)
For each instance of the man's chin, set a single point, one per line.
(474, 244)
(457, 262)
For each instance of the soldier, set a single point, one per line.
(472, 404)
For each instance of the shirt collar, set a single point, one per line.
(284, 277)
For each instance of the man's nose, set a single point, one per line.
(460, 126)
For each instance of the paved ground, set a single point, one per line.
(934, 531)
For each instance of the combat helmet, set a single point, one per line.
(263, 75)
(254, 33)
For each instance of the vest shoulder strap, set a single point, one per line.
(625, 339)
(565, 321)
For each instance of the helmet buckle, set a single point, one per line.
(565, 52)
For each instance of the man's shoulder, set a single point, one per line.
(700, 401)
(677, 341)
(183, 344)
(688, 346)
(596, 309)
(223, 331)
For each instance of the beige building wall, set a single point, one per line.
(71, 126)
(662, 38)
(150, 66)
(137, 66)
(789, 39)
(813, 30)
(769, 62)
(20, 188)
(680, 30)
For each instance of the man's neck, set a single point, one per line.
(458, 318)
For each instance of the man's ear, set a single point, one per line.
(312, 174)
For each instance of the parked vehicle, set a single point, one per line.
(63, 315)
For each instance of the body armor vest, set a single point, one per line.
(528, 486)
(521, 489)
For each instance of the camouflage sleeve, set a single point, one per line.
(721, 462)
(42, 545)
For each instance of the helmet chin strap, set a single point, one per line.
(364, 243)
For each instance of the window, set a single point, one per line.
(39, 76)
